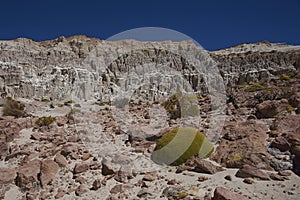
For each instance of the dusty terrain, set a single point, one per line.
(93, 148)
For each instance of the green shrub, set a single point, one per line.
(179, 105)
(14, 108)
(254, 87)
(289, 109)
(44, 121)
(284, 77)
(178, 145)
(172, 107)
(46, 100)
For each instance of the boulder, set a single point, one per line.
(222, 193)
(49, 169)
(248, 171)
(27, 176)
(243, 143)
(280, 143)
(81, 167)
(269, 108)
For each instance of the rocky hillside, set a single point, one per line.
(80, 118)
(91, 68)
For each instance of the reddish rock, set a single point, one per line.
(199, 165)
(294, 100)
(221, 193)
(248, 181)
(49, 168)
(120, 188)
(60, 193)
(86, 156)
(289, 128)
(248, 171)
(203, 166)
(27, 176)
(81, 167)
(150, 177)
(96, 184)
(117, 189)
(243, 143)
(7, 175)
(69, 149)
(277, 177)
(269, 109)
(284, 173)
(280, 143)
(81, 190)
(124, 173)
(61, 160)
(80, 179)
(107, 168)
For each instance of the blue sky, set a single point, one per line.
(214, 24)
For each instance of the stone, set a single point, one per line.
(200, 165)
(243, 143)
(81, 190)
(96, 184)
(204, 166)
(86, 156)
(289, 128)
(269, 109)
(174, 192)
(120, 188)
(248, 181)
(124, 174)
(248, 171)
(8, 175)
(228, 178)
(280, 143)
(202, 178)
(107, 168)
(81, 167)
(27, 176)
(172, 182)
(222, 193)
(80, 179)
(60, 193)
(68, 149)
(49, 169)
(61, 160)
(284, 173)
(150, 176)
(277, 177)
(143, 193)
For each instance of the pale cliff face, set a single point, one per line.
(91, 68)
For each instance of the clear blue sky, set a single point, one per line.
(214, 24)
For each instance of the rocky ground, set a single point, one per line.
(65, 135)
(84, 152)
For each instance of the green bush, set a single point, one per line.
(46, 100)
(14, 108)
(172, 107)
(180, 105)
(178, 145)
(44, 121)
(253, 88)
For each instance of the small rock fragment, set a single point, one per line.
(248, 181)
(61, 160)
(228, 178)
(81, 167)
